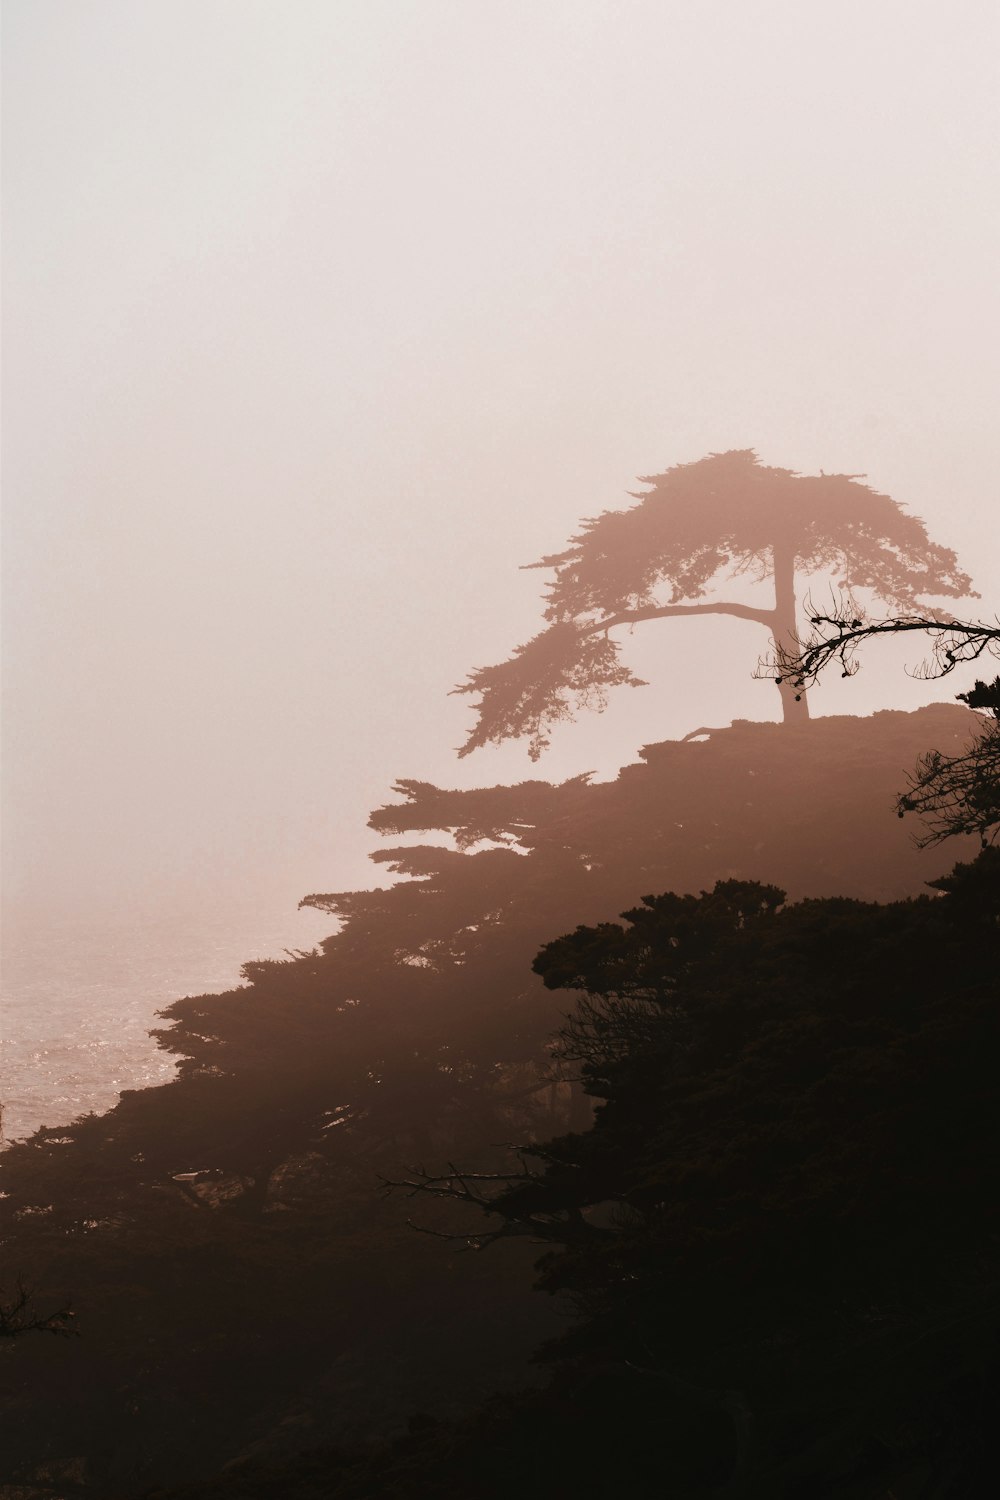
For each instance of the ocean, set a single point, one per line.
(79, 997)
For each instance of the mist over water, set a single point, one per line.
(80, 998)
(320, 323)
(323, 324)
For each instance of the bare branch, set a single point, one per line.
(954, 794)
(958, 794)
(838, 635)
(561, 1226)
(696, 734)
(19, 1316)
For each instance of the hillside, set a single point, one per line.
(234, 1271)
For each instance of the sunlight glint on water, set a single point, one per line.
(79, 1001)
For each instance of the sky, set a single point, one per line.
(322, 319)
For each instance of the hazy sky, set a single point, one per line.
(322, 317)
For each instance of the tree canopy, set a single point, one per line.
(783, 1214)
(726, 516)
(227, 1226)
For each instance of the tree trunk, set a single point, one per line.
(794, 705)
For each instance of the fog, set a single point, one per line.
(321, 320)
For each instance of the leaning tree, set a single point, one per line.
(726, 516)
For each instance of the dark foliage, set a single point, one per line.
(19, 1315)
(780, 1233)
(785, 1211)
(234, 1273)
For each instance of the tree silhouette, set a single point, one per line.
(961, 793)
(782, 1208)
(19, 1316)
(415, 1033)
(837, 636)
(725, 516)
(954, 794)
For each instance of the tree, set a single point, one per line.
(783, 1210)
(725, 516)
(961, 793)
(416, 1033)
(955, 794)
(19, 1316)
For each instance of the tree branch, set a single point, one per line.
(20, 1316)
(839, 635)
(671, 611)
(954, 794)
(467, 1187)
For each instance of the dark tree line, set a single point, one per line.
(778, 1235)
(784, 1216)
(222, 1237)
(788, 1092)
